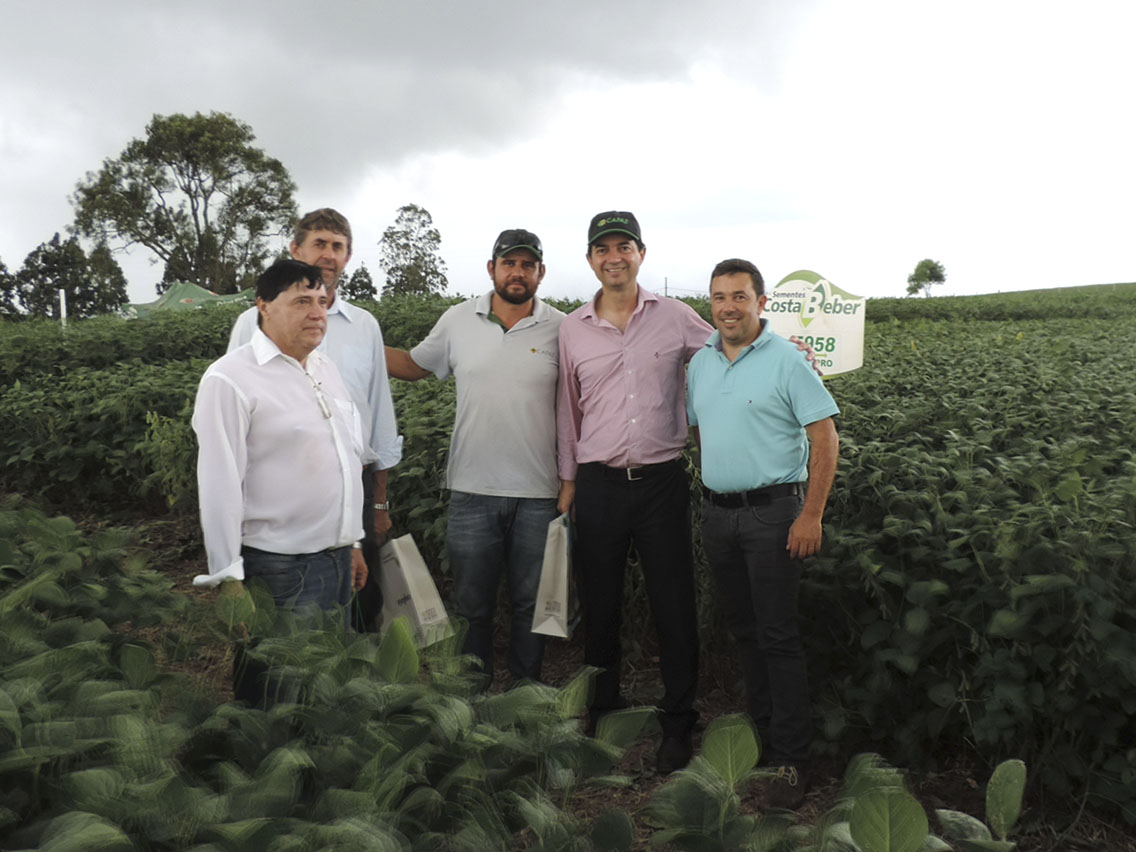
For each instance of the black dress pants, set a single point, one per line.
(650, 510)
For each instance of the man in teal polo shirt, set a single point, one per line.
(764, 422)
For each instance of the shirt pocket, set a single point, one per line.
(348, 420)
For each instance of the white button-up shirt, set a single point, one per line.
(279, 464)
(354, 342)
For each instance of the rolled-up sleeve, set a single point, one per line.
(386, 443)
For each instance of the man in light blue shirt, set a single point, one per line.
(764, 422)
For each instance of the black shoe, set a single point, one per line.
(674, 753)
(787, 790)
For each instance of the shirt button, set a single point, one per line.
(633, 420)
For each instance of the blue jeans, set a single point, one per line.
(306, 585)
(489, 536)
(302, 581)
(757, 587)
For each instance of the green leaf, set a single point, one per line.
(888, 821)
(1070, 488)
(9, 714)
(916, 621)
(1005, 624)
(1040, 584)
(613, 831)
(575, 696)
(942, 694)
(93, 788)
(987, 845)
(78, 831)
(137, 665)
(1004, 796)
(622, 727)
(730, 747)
(398, 653)
(960, 826)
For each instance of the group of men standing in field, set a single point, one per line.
(586, 413)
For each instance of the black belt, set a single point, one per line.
(756, 497)
(635, 473)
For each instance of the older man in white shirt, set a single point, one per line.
(354, 342)
(280, 455)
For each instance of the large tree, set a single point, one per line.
(196, 193)
(93, 285)
(410, 254)
(7, 293)
(360, 286)
(927, 272)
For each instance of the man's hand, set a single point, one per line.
(382, 526)
(810, 355)
(566, 497)
(804, 537)
(358, 569)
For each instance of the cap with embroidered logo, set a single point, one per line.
(614, 222)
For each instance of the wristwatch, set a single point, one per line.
(383, 507)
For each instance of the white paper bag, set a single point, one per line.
(555, 597)
(409, 591)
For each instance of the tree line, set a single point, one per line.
(205, 202)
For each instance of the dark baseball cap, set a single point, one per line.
(517, 238)
(613, 222)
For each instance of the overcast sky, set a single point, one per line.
(849, 138)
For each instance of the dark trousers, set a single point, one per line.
(757, 586)
(653, 514)
(369, 599)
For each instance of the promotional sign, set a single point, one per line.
(829, 319)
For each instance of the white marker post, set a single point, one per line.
(63, 308)
(829, 319)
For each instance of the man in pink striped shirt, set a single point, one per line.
(621, 429)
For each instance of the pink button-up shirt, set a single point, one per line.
(621, 394)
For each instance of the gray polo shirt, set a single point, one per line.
(504, 441)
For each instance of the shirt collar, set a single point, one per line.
(643, 297)
(715, 341)
(341, 307)
(264, 350)
(484, 306)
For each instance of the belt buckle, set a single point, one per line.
(631, 473)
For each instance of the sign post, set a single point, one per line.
(829, 319)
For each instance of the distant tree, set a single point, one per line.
(196, 193)
(927, 272)
(360, 286)
(93, 285)
(8, 300)
(410, 254)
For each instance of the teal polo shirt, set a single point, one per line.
(752, 413)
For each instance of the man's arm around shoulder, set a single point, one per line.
(401, 366)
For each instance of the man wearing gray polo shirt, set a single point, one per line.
(502, 350)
